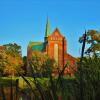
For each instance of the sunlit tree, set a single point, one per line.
(93, 41)
(41, 63)
(11, 59)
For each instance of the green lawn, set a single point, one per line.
(68, 85)
(6, 81)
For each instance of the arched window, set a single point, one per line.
(56, 52)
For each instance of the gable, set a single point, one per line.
(56, 33)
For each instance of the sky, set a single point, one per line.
(22, 21)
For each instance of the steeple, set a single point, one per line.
(47, 32)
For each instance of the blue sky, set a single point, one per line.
(22, 21)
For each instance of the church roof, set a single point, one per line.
(36, 46)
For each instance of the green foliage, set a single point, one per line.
(41, 63)
(90, 68)
(25, 60)
(13, 49)
(52, 88)
(91, 78)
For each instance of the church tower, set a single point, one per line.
(55, 46)
(47, 31)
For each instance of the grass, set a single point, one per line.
(6, 81)
(66, 87)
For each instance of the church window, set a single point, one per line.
(56, 52)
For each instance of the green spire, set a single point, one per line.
(47, 32)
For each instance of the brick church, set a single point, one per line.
(55, 46)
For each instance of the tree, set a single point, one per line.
(41, 63)
(93, 41)
(24, 65)
(13, 49)
(11, 59)
(3, 61)
(14, 64)
(90, 66)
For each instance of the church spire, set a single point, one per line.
(47, 32)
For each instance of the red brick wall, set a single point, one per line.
(56, 38)
(71, 64)
(63, 56)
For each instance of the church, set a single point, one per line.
(55, 46)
